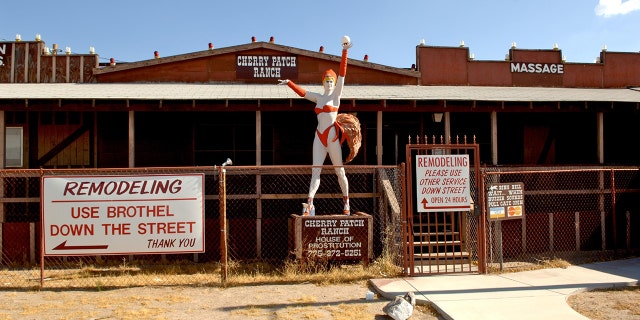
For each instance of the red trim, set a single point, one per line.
(343, 63)
(297, 89)
(324, 136)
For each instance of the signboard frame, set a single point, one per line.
(442, 183)
(122, 214)
(266, 67)
(332, 237)
(505, 201)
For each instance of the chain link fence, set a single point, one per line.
(258, 204)
(576, 214)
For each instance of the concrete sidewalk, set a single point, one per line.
(537, 294)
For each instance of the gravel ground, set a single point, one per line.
(281, 301)
(619, 304)
(289, 301)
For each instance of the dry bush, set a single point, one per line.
(314, 271)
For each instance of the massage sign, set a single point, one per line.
(102, 215)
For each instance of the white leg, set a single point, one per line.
(319, 154)
(335, 153)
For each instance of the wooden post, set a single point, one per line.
(551, 231)
(628, 216)
(603, 233)
(259, 185)
(577, 223)
(613, 210)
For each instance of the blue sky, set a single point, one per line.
(385, 30)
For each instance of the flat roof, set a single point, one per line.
(180, 91)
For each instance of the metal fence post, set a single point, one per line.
(482, 227)
(223, 221)
(223, 225)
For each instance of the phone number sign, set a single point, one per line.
(103, 215)
(442, 183)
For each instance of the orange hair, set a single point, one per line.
(329, 73)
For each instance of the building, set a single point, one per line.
(63, 110)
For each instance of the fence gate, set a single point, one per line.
(443, 232)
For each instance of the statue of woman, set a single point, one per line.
(330, 126)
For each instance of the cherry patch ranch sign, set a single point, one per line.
(332, 237)
(266, 67)
(85, 215)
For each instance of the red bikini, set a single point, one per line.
(324, 136)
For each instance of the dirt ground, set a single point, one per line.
(282, 301)
(288, 301)
(619, 304)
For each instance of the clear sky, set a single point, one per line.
(385, 30)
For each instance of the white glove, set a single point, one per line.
(285, 81)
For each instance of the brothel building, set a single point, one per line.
(62, 110)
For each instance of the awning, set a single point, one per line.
(171, 91)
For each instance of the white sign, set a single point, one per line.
(505, 200)
(537, 67)
(275, 67)
(442, 183)
(3, 51)
(86, 215)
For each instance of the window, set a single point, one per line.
(13, 147)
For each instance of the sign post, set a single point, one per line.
(504, 201)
